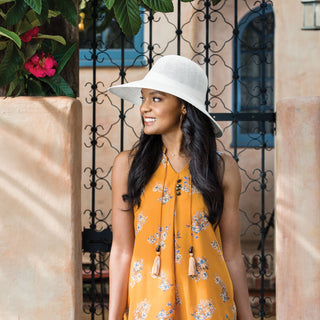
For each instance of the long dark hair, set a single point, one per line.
(199, 145)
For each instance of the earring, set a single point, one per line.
(182, 115)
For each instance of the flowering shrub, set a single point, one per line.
(127, 12)
(32, 61)
(33, 33)
(41, 66)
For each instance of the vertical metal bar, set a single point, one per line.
(94, 127)
(179, 31)
(93, 164)
(150, 46)
(263, 147)
(235, 76)
(207, 18)
(314, 15)
(102, 287)
(122, 75)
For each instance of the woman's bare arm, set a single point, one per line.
(123, 238)
(230, 236)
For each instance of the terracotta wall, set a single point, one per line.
(297, 208)
(297, 84)
(297, 68)
(40, 231)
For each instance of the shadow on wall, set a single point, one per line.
(38, 203)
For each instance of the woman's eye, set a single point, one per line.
(142, 98)
(156, 99)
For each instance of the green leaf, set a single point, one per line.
(2, 14)
(21, 85)
(3, 44)
(159, 5)
(10, 64)
(36, 5)
(66, 57)
(29, 23)
(59, 39)
(30, 49)
(53, 14)
(43, 16)
(128, 16)
(11, 35)
(16, 12)
(58, 85)
(109, 3)
(68, 10)
(215, 2)
(5, 1)
(34, 88)
(13, 86)
(189, 0)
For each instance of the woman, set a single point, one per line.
(176, 241)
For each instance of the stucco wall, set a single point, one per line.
(297, 68)
(40, 238)
(297, 208)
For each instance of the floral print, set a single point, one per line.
(164, 284)
(199, 223)
(186, 186)
(223, 294)
(165, 193)
(154, 239)
(142, 310)
(166, 315)
(178, 256)
(201, 269)
(234, 313)
(215, 245)
(136, 272)
(177, 296)
(141, 219)
(204, 310)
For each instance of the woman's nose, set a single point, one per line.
(144, 107)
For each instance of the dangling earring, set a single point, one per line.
(182, 115)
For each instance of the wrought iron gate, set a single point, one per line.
(234, 43)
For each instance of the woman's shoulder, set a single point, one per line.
(231, 174)
(227, 159)
(123, 160)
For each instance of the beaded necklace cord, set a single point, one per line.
(157, 261)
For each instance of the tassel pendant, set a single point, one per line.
(192, 264)
(156, 263)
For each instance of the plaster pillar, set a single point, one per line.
(298, 208)
(40, 228)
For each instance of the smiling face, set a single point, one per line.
(161, 112)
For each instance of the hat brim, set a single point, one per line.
(132, 92)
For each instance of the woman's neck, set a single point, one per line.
(173, 145)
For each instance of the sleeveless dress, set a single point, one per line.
(172, 216)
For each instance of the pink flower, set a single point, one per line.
(41, 66)
(33, 33)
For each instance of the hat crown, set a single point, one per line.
(182, 71)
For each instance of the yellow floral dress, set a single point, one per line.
(172, 217)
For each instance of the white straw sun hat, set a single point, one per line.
(175, 75)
